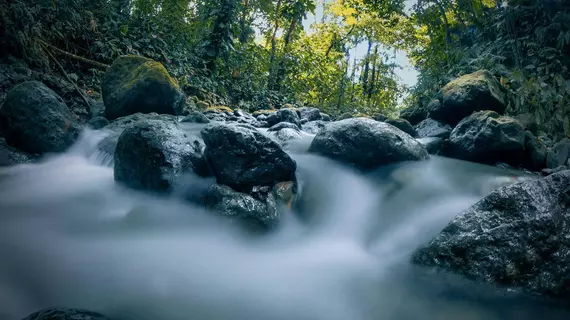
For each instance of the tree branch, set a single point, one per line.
(67, 76)
(73, 56)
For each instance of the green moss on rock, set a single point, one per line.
(137, 84)
(467, 94)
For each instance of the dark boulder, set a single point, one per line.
(414, 114)
(283, 125)
(97, 123)
(136, 84)
(65, 314)
(153, 155)
(559, 154)
(487, 137)
(255, 213)
(289, 115)
(117, 126)
(403, 125)
(241, 157)
(528, 121)
(433, 145)
(10, 156)
(536, 152)
(35, 119)
(311, 114)
(433, 128)
(196, 117)
(366, 143)
(515, 237)
(273, 119)
(467, 94)
(287, 134)
(314, 126)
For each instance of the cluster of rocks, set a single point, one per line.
(516, 237)
(467, 122)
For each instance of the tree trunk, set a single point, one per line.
(445, 21)
(372, 83)
(343, 82)
(366, 68)
(270, 82)
(287, 41)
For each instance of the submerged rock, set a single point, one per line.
(516, 237)
(403, 125)
(255, 213)
(153, 155)
(136, 84)
(433, 128)
(65, 314)
(35, 119)
(314, 127)
(487, 137)
(366, 143)
(467, 94)
(10, 156)
(241, 157)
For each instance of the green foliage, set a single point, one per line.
(525, 44)
(252, 54)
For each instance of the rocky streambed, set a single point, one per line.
(156, 210)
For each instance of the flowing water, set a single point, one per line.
(71, 237)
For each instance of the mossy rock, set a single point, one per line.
(219, 109)
(467, 94)
(264, 112)
(202, 105)
(137, 84)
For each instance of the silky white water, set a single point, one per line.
(71, 237)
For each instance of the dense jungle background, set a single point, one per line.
(261, 54)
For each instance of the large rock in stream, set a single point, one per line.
(118, 126)
(257, 214)
(516, 237)
(153, 155)
(35, 119)
(467, 94)
(137, 84)
(366, 143)
(242, 157)
(487, 137)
